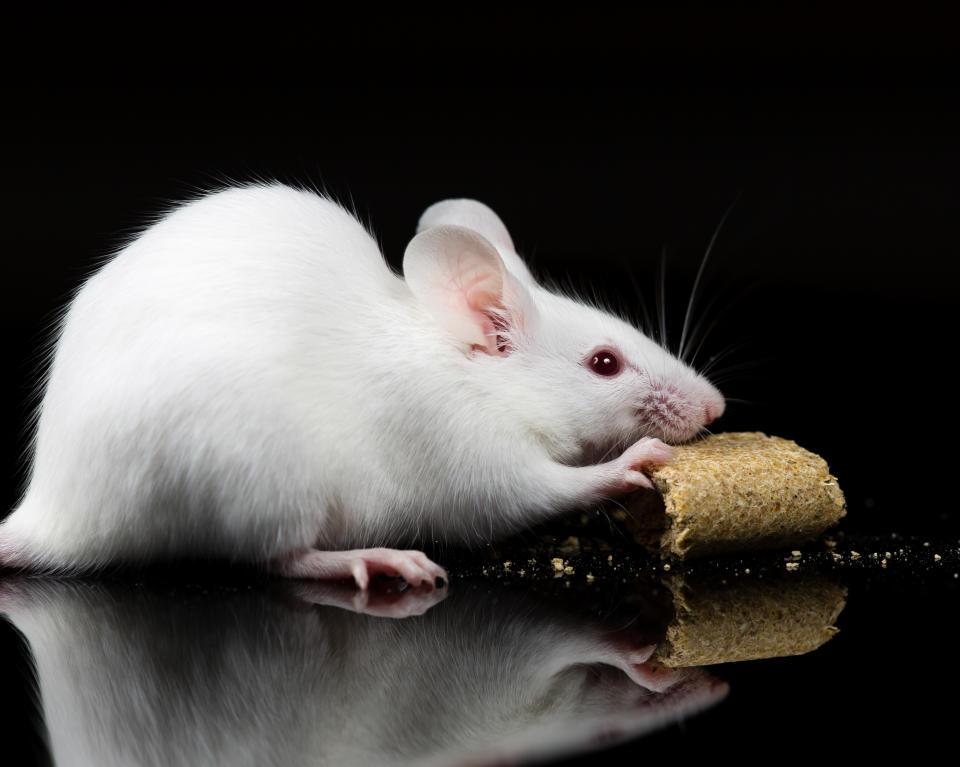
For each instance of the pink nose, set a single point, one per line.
(709, 415)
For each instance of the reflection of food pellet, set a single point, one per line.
(735, 492)
(754, 618)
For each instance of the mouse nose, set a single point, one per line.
(711, 413)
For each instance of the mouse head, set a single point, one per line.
(602, 378)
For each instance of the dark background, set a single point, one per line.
(601, 139)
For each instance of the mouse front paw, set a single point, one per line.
(644, 452)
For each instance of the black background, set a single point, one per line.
(601, 139)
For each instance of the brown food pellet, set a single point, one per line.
(736, 491)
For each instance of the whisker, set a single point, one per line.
(731, 348)
(662, 298)
(716, 320)
(696, 281)
(739, 401)
(648, 327)
(726, 374)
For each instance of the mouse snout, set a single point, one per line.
(713, 408)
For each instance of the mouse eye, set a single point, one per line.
(604, 363)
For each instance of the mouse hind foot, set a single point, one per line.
(360, 565)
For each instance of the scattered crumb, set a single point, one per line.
(666, 566)
(568, 570)
(590, 578)
(570, 546)
(747, 571)
(854, 555)
(836, 557)
(937, 557)
(883, 562)
(926, 544)
(507, 564)
(887, 554)
(830, 544)
(793, 565)
(557, 564)
(796, 553)
(522, 573)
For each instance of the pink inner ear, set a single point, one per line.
(460, 278)
(482, 296)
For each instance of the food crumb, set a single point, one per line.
(830, 544)
(557, 564)
(926, 544)
(568, 570)
(854, 555)
(793, 566)
(590, 578)
(507, 564)
(796, 553)
(746, 571)
(666, 566)
(937, 557)
(570, 546)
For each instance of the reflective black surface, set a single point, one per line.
(518, 661)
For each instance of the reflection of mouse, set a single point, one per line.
(153, 676)
(248, 379)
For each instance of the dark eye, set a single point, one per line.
(604, 363)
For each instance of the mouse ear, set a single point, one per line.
(459, 277)
(478, 217)
(470, 214)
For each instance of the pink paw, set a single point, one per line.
(635, 663)
(643, 452)
(362, 564)
(413, 566)
(384, 599)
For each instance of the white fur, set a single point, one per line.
(248, 378)
(134, 679)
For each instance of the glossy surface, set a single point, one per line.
(542, 659)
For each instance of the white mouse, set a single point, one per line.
(248, 379)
